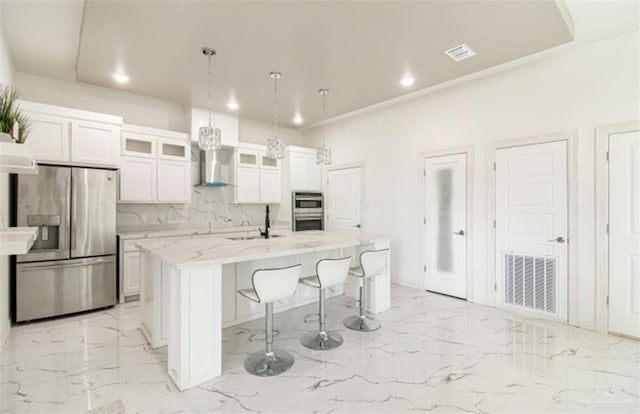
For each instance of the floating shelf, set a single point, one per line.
(17, 240)
(17, 159)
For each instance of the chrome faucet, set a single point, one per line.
(265, 233)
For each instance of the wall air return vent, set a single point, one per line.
(530, 281)
(460, 52)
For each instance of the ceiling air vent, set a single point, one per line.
(460, 52)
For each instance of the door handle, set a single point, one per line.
(358, 226)
(558, 239)
(459, 233)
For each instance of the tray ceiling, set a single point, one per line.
(359, 50)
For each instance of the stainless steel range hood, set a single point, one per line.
(215, 167)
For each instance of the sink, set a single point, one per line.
(243, 238)
(235, 238)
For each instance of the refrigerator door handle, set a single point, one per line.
(68, 263)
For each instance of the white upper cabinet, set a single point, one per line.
(228, 125)
(155, 166)
(95, 143)
(304, 173)
(257, 178)
(138, 145)
(71, 136)
(49, 137)
(247, 185)
(137, 179)
(174, 181)
(270, 189)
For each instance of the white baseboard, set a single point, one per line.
(405, 283)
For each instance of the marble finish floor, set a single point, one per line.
(433, 353)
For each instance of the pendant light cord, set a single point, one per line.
(324, 119)
(275, 105)
(209, 85)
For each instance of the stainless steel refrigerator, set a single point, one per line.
(72, 265)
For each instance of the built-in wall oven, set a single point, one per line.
(307, 211)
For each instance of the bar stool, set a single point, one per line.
(329, 272)
(270, 285)
(372, 263)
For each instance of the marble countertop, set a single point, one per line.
(185, 229)
(194, 253)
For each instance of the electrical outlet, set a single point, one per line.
(143, 218)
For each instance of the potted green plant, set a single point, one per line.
(13, 122)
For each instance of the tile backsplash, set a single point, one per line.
(208, 205)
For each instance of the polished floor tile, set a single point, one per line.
(433, 354)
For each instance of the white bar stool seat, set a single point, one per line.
(329, 272)
(372, 263)
(270, 285)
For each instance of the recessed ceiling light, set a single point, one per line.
(407, 81)
(120, 77)
(232, 105)
(298, 120)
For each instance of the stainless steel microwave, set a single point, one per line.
(306, 202)
(307, 211)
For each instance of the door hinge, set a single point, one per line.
(494, 166)
(607, 156)
(424, 173)
(607, 300)
(494, 224)
(495, 286)
(424, 221)
(425, 268)
(607, 228)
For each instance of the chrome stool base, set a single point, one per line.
(321, 341)
(361, 323)
(268, 365)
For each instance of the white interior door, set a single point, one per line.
(446, 224)
(531, 228)
(343, 199)
(624, 233)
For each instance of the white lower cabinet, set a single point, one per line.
(229, 293)
(131, 267)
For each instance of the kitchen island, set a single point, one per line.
(188, 289)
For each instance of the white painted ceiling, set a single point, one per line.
(359, 50)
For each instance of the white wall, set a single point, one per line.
(6, 78)
(584, 88)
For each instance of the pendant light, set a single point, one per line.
(324, 153)
(209, 138)
(275, 144)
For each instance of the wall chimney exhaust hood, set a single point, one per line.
(215, 167)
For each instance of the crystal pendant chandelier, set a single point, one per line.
(275, 144)
(209, 138)
(324, 154)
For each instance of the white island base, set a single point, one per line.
(188, 291)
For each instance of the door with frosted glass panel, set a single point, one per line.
(446, 224)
